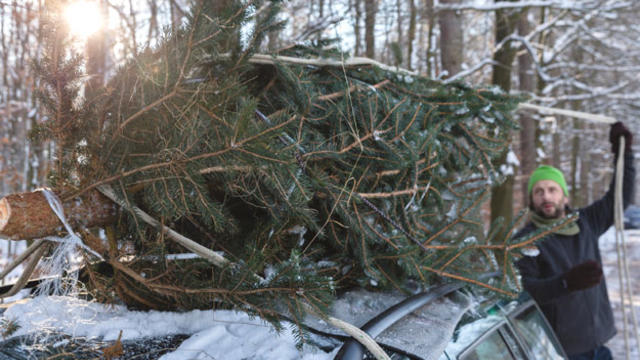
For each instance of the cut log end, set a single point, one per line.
(5, 213)
(27, 216)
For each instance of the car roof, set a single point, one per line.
(425, 332)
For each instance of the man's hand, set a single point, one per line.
(617, 130)
(583, 276)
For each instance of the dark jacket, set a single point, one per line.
(582, 319)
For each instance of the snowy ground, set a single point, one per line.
(610, 262)
(231, 335)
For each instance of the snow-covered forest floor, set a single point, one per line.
(230, 335)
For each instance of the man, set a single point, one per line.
(565, 277)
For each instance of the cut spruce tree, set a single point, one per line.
(291, 176)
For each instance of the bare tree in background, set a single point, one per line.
(411, 32)
(451, 39)
(430, 18)
(506, 24)
(22, 165)
(526, 80)
(96, 55)
(370, 10)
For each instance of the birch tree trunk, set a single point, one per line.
(574, 178)
(576, 196)
(540, 84)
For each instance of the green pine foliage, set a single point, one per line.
(309, 178)
(59, 81)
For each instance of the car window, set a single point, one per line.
(469, 330)
(491, 347)
(536, 333)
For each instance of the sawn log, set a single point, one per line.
(28, 215)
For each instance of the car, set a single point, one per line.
(520, 331)
(446, 322)
(632, 217)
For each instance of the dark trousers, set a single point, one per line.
(600, 353)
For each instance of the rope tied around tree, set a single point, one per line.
(621, 251)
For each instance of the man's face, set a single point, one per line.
(548, 199)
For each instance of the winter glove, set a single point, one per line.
(583, 276)
(617, 130)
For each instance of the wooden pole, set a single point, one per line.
(571, 113)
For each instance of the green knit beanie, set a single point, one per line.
(546, 172)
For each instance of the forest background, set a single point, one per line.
(578, 55)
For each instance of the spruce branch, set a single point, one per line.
(206, 253)
(22, 257)
(220, 261)
(403, 192)
(165, 164)
(30, 267)
(471, 281)
(458, 219)
(143, 111)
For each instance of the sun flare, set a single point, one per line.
(83, 17)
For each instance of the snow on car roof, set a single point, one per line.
(425, 332)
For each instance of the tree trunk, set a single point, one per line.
(177, 14)
(576, 194)
(153, 22)
(370, 10)
(356, 27)
(543, 39)
(400, 21)
(502, 195)
(451, 40)
(96, 49)
(28, 215)
(411, 32)
(133, 24)
(528, 126)
(576, 186)
(430, 14)
(5, 50)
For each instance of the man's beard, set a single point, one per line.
(556, 214)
